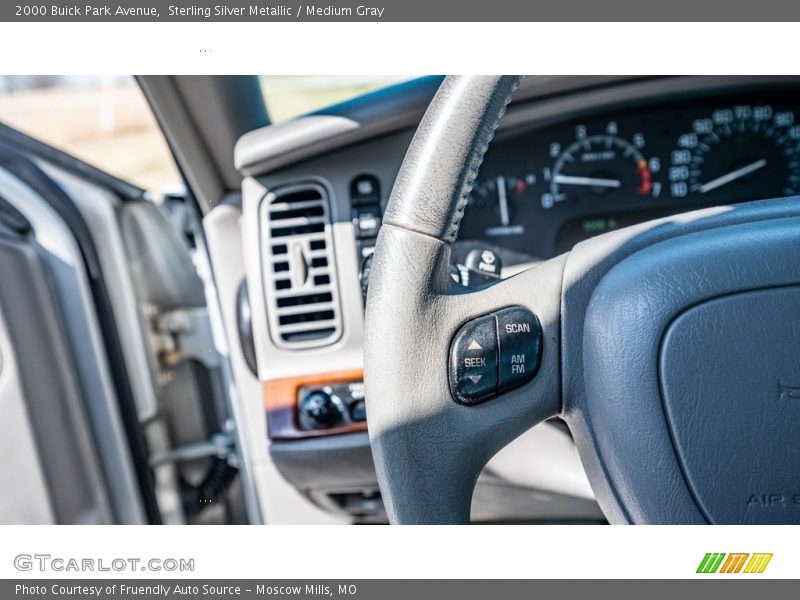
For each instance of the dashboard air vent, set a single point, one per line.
(298, 267)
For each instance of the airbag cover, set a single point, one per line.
(730, 371)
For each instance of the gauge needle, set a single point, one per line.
(732, 176)
(501, 195)
(592, 181)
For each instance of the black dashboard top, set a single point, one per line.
(574, 156)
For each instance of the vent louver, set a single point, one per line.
(297, 259)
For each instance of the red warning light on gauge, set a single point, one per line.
(646, 179)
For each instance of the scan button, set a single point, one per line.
(520, 352)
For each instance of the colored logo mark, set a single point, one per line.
(740, 562)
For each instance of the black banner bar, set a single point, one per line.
(733, 588)
(399, 11)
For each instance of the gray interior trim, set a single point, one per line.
(223, 107)
(279, 501)
(68, 277)
(184, 138)
(255, 149)
(334, 157)
(213, 294)
(544, 458)
(51, 391)
(275, 362)
(336, 462)
(357, 120)
(30, 500)
(99, 209)
(50, 381)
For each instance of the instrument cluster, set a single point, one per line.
(543, 190)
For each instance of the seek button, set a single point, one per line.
(473, 361)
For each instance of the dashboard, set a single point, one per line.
(574, 157)
(542, 190)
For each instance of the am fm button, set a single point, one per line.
(520, 346)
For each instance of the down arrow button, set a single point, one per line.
(473, 361)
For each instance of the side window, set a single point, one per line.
(104, 121)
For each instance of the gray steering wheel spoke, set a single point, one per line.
(428, 449)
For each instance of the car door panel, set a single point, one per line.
(39, 380)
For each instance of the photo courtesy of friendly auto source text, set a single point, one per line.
(321, 266)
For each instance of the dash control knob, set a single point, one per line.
(319, 409)
(494, 353)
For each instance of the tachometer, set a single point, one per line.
(596, 166)
(739, 153)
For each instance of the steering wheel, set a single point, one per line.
(670, 348)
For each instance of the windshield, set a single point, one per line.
(288, 96)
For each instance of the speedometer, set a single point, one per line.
(737, 153)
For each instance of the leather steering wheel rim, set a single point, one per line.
(617, 313)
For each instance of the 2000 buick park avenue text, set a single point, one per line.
(205, 12)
